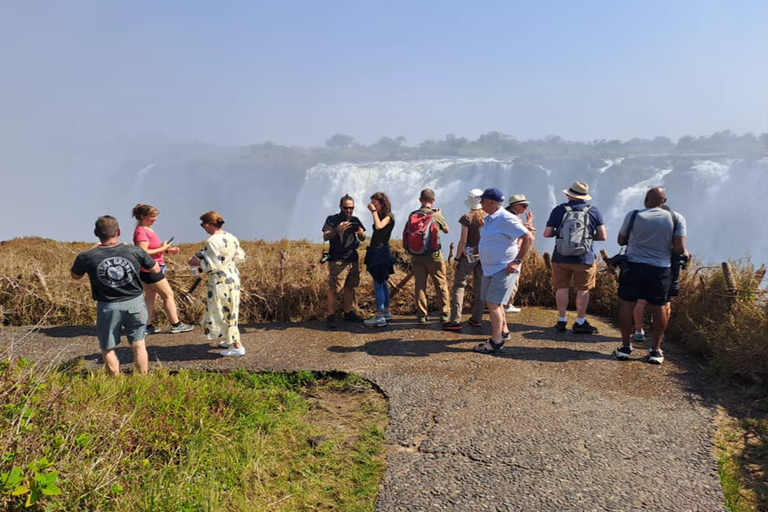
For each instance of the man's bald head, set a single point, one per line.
(655, 197)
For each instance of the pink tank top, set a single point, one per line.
(142, 234)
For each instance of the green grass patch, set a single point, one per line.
(190, 441)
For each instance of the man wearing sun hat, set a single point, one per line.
(581, 269)
(501, 259)
(518, 204)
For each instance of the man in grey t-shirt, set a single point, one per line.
(655, 236)
(113, 270)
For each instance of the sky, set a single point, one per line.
(296, 72)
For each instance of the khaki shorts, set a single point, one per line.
(343, 274)
(584, 276)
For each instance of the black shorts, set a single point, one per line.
(641, 281)
(151, 277)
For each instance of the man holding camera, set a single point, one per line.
(344, 231)
(655, 241)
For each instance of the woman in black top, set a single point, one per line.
(378, 258)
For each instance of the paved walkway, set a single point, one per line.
(552, 423)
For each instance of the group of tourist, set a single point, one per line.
(494, 242)
(119, 273)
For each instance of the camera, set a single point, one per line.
(325, 257)
(679, 261)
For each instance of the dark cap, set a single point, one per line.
(493, 194)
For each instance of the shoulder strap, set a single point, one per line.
(631, 223)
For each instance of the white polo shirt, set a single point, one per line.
(498, 240)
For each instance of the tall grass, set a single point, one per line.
(192, 441)
(284, 282)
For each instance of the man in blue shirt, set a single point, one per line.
(582, 269)
(501, 258)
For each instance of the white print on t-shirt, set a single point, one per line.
(115, 272)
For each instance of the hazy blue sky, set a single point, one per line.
(296, 72)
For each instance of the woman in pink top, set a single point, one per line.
(156, 284)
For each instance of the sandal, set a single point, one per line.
(483, 348)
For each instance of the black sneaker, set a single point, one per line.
(331, 322)
(560, 326)
(585, 328)
(475, 323)
(622, 353)
(151, 329)
(656, 357)
(451, 326)
(351, 316)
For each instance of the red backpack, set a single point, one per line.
(420, 234)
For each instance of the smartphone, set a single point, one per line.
(170, 240)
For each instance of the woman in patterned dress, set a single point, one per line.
(219, 260)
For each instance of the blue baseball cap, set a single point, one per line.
(493, 194)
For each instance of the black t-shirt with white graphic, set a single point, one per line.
(113, 271)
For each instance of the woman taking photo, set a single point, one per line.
(219, 260)
(467, 263)
(378, 258)
(145, 237)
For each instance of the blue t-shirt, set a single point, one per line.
(498, 240)
(595, 220)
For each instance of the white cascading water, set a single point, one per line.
(712, 194)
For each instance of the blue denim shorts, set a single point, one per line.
(112, 317)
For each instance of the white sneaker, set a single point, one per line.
(513, 309)
(224, 344)
(375, 321)
(233, 352)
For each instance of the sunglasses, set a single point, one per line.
(202, 224)
(347, 207)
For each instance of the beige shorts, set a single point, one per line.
(584, 276)
(343, 274)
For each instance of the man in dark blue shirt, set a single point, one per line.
(582, 268)
(344, 231)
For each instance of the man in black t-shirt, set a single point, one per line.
(113, 270)
(344, 231)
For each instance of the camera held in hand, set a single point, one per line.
(325, 257)
(679, 261)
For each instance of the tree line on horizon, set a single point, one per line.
(342, 147)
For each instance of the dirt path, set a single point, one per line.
(554, 422)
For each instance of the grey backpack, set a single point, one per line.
(573, 237)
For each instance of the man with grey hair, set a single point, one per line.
(113, 269)
(501, 259)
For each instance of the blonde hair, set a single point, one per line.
(478, 216)
(212, 217)
(142, 210)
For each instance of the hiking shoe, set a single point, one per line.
(639, 337)
(622, 353)
(351, 316)
(375, 321)
(422, 319)
(180, 327)
(560, 326)
(387, 315)
(444, 318)
(151, 329)
(585, 328)
(451, 326)
(656, 357)
(233, 352)
(506, 336)
(331, 322)
(475, 323)
(513, 309)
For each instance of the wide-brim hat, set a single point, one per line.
(578, 190)
(517, 199)
(473, 199)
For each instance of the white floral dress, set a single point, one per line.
(221, 256)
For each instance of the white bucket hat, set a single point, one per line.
(473, 199)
